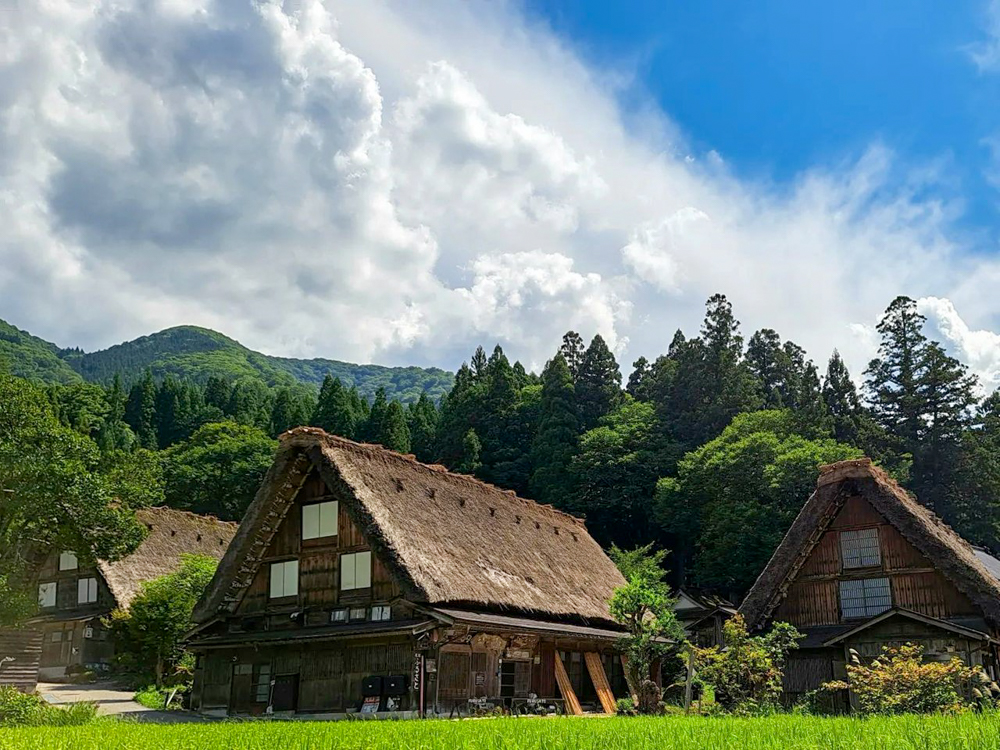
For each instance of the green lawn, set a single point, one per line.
(925, 733)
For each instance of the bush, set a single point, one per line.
(746, 675)
(21, 709)
(156, 698)
(900, 682)
(625, 707)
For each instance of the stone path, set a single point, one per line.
(112, 701)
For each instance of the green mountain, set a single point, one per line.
(33, 358)
(198, 353)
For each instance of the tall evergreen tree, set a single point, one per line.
(394, 433)
(292, 408)
(422, 417)
(479, 363)
(572, 350)
(372, 430)
(639, 380)
(114, 433)
(218, 391)
(555, 443)
(334, 409)
(140, 411)
(598, 383)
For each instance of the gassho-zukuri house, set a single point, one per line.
(363, 581)
(75, 595)
(864, 565)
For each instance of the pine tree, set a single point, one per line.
(114, 433)
(764, 361)
(422, 417)
(471, 448)
(555, 443)
(218, 391)
(892, 380)
(372, 430)
(572, 350)
(479, 363)
(334, 412)
(292, 408)
(639, 380)
(841, 399)
(394, 433)
(140, 411)
(598, 383)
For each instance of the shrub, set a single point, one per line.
(21, 709)
(746, 675)
(625, 707)
(899, 682)
(156, 698)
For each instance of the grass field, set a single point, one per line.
(680, 733)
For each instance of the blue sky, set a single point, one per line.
(782, 86)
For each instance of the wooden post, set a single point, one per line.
(566, 688)
(689, 680)
(600, 680)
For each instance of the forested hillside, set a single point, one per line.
(708, 449)
(197, 354)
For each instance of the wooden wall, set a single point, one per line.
(813, 597)
(329, 675)
(319, 573)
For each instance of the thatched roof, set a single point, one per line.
(171, 533)
(948, 552)
(449, 538)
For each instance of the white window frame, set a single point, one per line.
(319, 520)
(284, 580)
(381, 613)
(86, 591)
(339, 615)
(47, 594)
(356, 571)
(358, 613)
(68, 561)
(860, 548)
(861, 598)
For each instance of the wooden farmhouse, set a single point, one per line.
(865, 565)
(74, 595)
(363, 581)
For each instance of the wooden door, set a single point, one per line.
(241, 693)
(286, 692)
(454, 670)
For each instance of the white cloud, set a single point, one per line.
(986, 52)
(980, 349)
(398, 182)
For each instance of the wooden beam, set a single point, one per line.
(600, 680)
(566, 689)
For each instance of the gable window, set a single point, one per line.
(381, 613)
(86, 591)
(866, 597)
(68, 561)
(356, 571)
(319, 520)
(860, 549)
(284, 579)
(47, 595)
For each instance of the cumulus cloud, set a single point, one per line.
(399, 182)
(985, 53)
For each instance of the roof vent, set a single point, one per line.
(199, 537)
(517, 519)
(556, 529)
(399, 485)
(149, 526)
(461, 502)
(431, 492)
(575, 537)
(537, 525)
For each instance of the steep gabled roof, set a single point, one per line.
(172, 533)
(948, 552)
(450, 539)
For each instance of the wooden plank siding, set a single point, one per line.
(319, 563)
(812, 598)
(20, 652)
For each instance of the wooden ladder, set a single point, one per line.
(600, 680)
(566, 688)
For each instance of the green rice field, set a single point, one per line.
(668, 733)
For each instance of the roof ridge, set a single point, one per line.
(317, 434)
(200, 516)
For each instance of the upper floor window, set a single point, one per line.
(319, 520)
(381, 613)
(68, 561)
(284, 579)
(46, 595)
(860, 549)
(356, 571)
(866, 597)
(86, 591)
